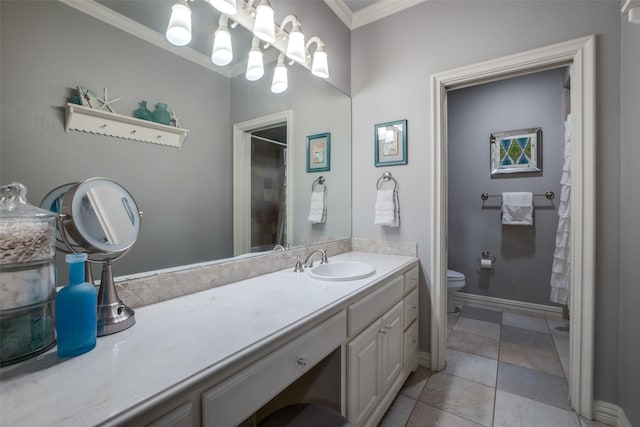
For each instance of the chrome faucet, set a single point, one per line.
(308, 261)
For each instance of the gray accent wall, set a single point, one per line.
(392, 63)
(630, 214)
(523, 255)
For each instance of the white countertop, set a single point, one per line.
(171, 342)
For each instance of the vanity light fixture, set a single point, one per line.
(222, 53)
(179, 29)
(255, 64)
(319, 64)
(280, 81)
(264, 26)
(295, 46)
(225, 6)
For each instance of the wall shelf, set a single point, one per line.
(90, 120)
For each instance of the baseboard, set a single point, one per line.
(520, 306)
(610, 414)
(424, 359)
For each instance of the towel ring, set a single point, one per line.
(319, 181)
(386, 177)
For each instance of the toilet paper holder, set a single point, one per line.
(488, 255)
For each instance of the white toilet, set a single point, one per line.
(455, 282)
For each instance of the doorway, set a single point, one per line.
(579, 55)
(251, 136)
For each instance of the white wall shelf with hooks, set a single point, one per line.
(90, 120)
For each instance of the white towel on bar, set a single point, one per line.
(517, 208)
(387, 208)
(317, 209)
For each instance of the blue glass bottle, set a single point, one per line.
(143, 112)
(76, 311)
(161, 115)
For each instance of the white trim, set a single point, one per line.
(521, 306)
(610, 414)
(424, 359)
(580, 54)
(369, 14)
(342, 11)
(242, 176)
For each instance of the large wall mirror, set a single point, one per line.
(186, 195)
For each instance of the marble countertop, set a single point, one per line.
(174, 341)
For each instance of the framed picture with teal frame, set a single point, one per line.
(390, 143)
(516, 151)
(319, 152)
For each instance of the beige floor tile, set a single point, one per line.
(427, 416)
(474, 344)
(461, 397)
(478, 327)
(471, 367)
(525, 322)
(529, 357)
(562, 344)
(399, 412)
(414, 385)
(512, 410)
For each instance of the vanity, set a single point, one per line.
(224, 356)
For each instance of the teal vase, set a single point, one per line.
(143, 112)
(161, 115)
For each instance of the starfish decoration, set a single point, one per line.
(175, 119)
(107, 103)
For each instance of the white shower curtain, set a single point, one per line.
(560, 272)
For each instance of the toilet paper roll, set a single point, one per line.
(486, 263)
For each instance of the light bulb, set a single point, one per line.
(264, 27)
(228, 7)
(222, 51)
(179, 29)
(319, 66)
(255, 66)
(295, 47)
(280, 81)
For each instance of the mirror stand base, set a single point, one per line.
(113, 315)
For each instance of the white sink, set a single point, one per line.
(342, 271)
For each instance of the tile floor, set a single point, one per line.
(503, 369)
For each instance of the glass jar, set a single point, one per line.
(27, 276)
(142, 112)
(161, 115)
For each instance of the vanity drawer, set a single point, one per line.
(410, 308)
(411, 278)
(371, 307)
(230, 402)
(410, 341)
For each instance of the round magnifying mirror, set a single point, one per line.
(105, 216)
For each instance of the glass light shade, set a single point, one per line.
(179, 29)
(222, 51)
(319, 66)
(295, 47)
(227, 7)
(280, 81)
(255, 66)
(264, 27)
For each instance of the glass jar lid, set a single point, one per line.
(14, 205)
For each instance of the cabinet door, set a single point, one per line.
(392, 345)
(363, 387)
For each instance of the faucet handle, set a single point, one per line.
(324, 259)
(298, 268)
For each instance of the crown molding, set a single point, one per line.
(380, 10)
(342, 11)
(632, 7)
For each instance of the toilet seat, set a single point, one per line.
(454, 276)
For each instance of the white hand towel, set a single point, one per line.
(387, 210)
(517, 208)
(317, 211)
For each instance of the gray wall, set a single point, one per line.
(630, 213)
(524, 255)
(49, 48)
(392, 61)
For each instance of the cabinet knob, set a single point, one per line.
(301, 362)
(382, 331)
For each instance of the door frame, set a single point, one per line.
(242, 176)
(580, 55)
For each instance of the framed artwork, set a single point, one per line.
(391, 143)
(319, 152)
(516, 151)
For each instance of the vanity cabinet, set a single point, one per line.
(380, 358)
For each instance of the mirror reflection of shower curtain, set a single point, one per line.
(561, 269)
(281, 236)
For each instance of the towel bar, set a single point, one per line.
(319, 181)
(386, 177)
(550, 195)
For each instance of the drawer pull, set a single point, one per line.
(301, 362)
(414, 307)
(387, 327)
(382, 331)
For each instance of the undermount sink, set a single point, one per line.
(342, 270)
